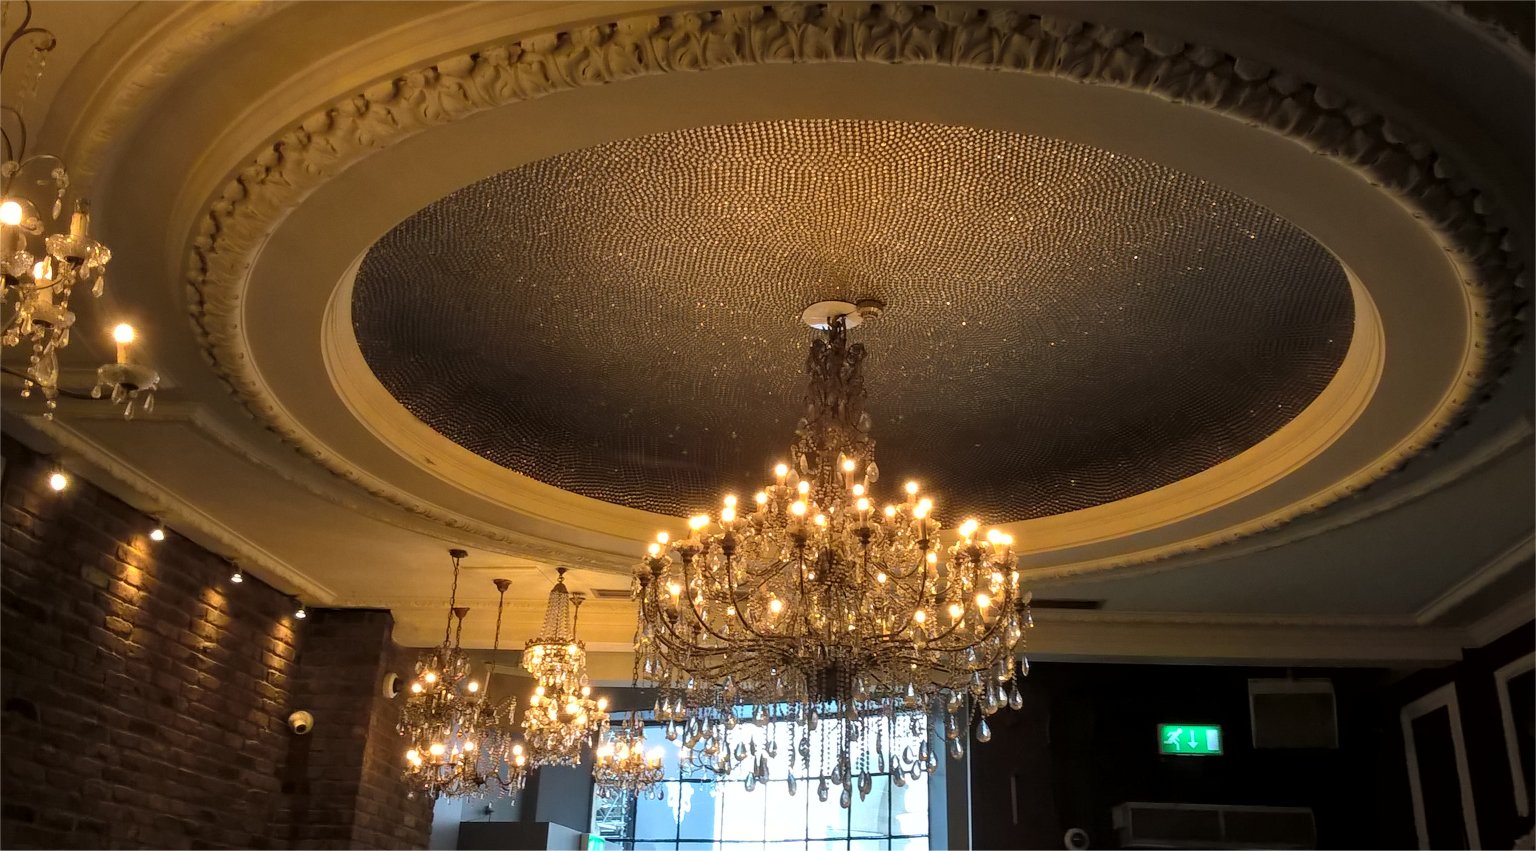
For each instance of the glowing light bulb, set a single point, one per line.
(761, 498)
(10, 213)
(933, 557)
(517, 750)
(469, 745)
(775, 605)
(983, 601)
(728, 515)
(473, 687)
(301, 614)
(662, 538)
(881, 577)
(797, 509)
(415, 688)
(968, 528)
(572, 708)
(586, 691)
(157, 534)
(538, 691)
(123, 333)
(730, 610)
(430, 677)
(919, 511)
(890, 511)
(602, 704)
(994, 537)
(920, 616)
(911, 488)
(781, 470)
(804, 487)
(1005, 541)
(58, 481)
(654, 550)
(674, 588)
(821, 520)
(436, 749)
(730, 501)
(698, 521)
(858, 490)
(956, 610)
(412, 755)
(237, 577)
(862, 504)
(849, 465)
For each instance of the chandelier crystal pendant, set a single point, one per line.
(41, 262)
(623, 766)
(562, 715)
(446, 713)
(817, 606)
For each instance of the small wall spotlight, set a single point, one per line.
(300, 613)
(58, 480)
(238, 576)
(157, 534)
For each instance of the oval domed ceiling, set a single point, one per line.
(1065, 327)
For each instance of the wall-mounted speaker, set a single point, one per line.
(1293, 713)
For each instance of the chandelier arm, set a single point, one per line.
(906, 623)
(697, 617)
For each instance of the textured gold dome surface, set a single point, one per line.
(1066, 327)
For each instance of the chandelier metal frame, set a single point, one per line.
(814, 603)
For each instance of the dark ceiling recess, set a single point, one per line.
(1065, 326)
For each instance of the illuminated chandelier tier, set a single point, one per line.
(562, 715)
(623, 766)
(816, 605)
(457, 739)
(41, 263)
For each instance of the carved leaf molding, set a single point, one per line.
(278, 177)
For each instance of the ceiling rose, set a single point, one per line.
(1073, 327)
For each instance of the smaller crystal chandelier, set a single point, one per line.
(127, 381)
(40, 264)
(622, 766)
(562, 715)
(503, 760)
(446, 713)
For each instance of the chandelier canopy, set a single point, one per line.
(458, 740)
(813, 602)
(562, 715)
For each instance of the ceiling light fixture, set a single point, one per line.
(128, 381)
(300, 612)
(58, 480)
(562, 715)
(503, 759)
(448, 722)
(812, 603)
(40, 269)
(157, 534)
(238, 576)
(622, 766)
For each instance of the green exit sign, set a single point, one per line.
(1189, 739)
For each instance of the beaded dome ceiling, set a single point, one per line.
(1065, 327)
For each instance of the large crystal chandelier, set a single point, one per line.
(621, 765)
(41, 262)
(448, 722)
(814, 605)
(562, 715)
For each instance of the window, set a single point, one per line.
(697, 812)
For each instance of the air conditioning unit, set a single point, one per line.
(1144, 825)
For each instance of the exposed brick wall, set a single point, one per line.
(344, 777)
(144, 698)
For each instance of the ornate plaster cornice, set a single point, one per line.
(280, 175)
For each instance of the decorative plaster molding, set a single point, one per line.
(143, 490)
(1511, 557)
(279, 176)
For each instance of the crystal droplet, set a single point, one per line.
(58, 204)
(1015, 700)
(956, 750)
(900, 779)
(812, 720)
(983, 732)
(866, 783)
(1024, 666)
(100, 285)
(845, 800)
(671, 732)
(792, 783)
(821, 790)
(741, 752)
(750, 782)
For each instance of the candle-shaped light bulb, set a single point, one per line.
(862, 505)
(968, 529)
(797, 508)
(804, 487)
(698, 521)
(730, 500)
(662, 538)
(890, 511)
(761, 498)
(780, 471)
(821, 519)
(654, 550)
(956, 610)
(919, 511)
(920, 616)
(10, 213)
(775, 605)
(911, 488)
(858, 490)
(728, 514)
